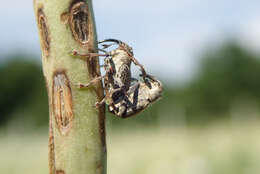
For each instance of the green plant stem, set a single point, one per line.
(77, 134)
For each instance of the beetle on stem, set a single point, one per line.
(118, 82)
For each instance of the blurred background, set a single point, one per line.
(205, 52)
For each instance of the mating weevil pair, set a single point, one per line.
(124, 95)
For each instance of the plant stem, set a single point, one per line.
(77, 132)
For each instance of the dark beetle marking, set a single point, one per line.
(64, 17)
(44, 31)
(79, 21)
(62, 102)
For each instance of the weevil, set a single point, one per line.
(139, 96)
(120, 88)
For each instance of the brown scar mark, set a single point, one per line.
(46, 86)
(79, 21)
(64, 17)
(99, 168)
(62, 102)
(59, 172)
(44, 31)
(51, 147)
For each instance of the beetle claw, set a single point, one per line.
(73, 53)
(97, 105)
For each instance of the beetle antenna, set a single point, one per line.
(111, 40)
(108, 45)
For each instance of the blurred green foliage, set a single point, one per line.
(227, 74)
(23, 96)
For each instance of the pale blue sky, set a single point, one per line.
(167, 37)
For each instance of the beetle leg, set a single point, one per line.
(98, 104)
(102, 50)
(132, 89)
(92, 82)
(140, 65)
(91, 55)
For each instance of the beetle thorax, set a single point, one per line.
(120, 58)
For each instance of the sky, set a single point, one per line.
(168, 36)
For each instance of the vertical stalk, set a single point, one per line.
(76, 128)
